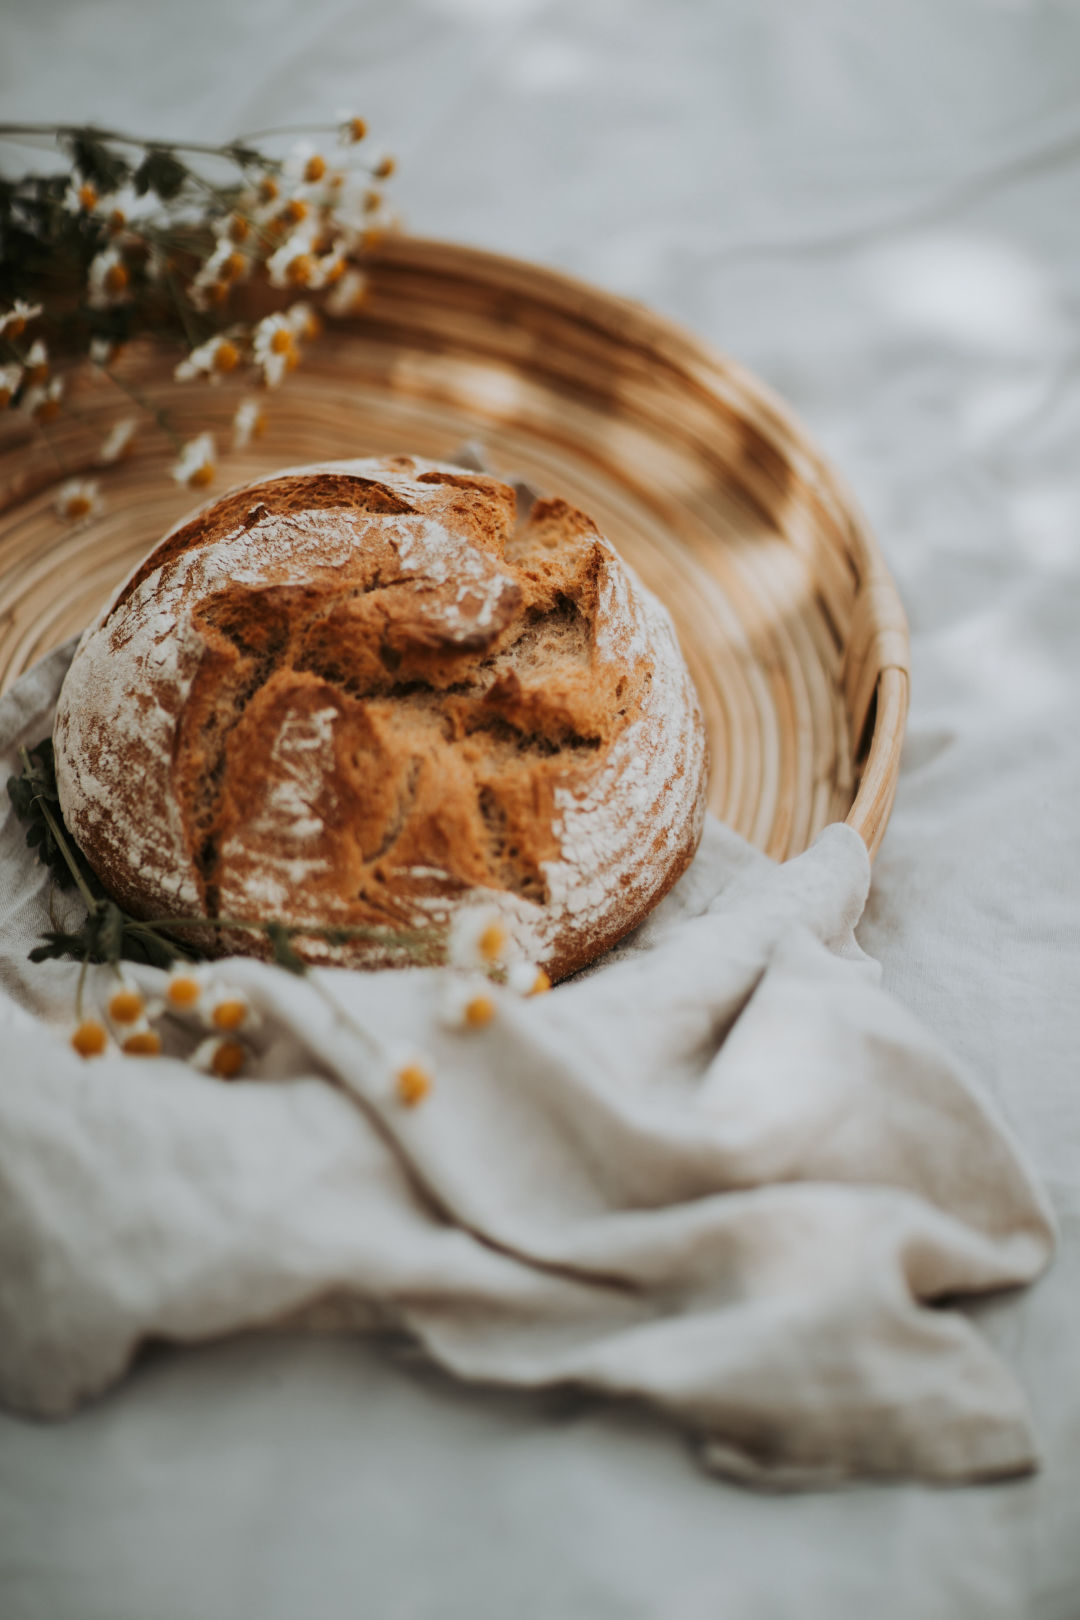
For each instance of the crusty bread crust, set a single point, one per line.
(366, 693)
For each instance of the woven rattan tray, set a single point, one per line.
(787, 615)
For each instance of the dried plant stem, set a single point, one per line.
(136, 395)
(79, 131)
(61, 838)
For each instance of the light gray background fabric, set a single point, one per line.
(874, 206)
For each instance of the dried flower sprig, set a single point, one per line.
(110, 934)
(175, 239)
(475, 945)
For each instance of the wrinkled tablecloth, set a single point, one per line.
(723, 1173)
(874, 207)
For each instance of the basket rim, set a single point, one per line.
(885, 631)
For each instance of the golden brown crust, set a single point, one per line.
(366, 693)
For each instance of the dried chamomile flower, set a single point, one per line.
(248, 422)
(478, 938)
(141, 1040)
(124, 208)
(413, 1079)
(10, 378)
(229, 1011)
(347, 294)
(90, 1038)
(274, 348)
(101, 351)
(118, 440)
(13, 322)
(42, 402)
(37, 362)
(108, 280)
(221, 1055)
(467, 1003)
(197, 461)
(295, 263)
(131, 1014)
(526, 979)
(213, 359)
(81, 197)
(185, 987)
(351, 130)
(126, 1003)
(303, 321)
(218, 275)
(78, 499)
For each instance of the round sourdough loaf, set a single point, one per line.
(371, 693)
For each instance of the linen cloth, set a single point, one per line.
(724, 1172)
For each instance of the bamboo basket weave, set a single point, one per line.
(705, 483)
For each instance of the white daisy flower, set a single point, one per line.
(212, 359)
(197, 461)
(346, 295)
(478, 938)
(526, 979)
(91, 1039)
(117, 441)
(125, 207)
(140, 1039)
(305, 169)
(42, 401)
(302, 319)
(10, 378)
(247, 423)
(229, 1011)
(467, 1003)
(78, 499)
(274, 348)
(294, 262)
(410, 1077)
(108, 280)
(221, 1055)
(13, 322)
(81, 196)
(350, 128)
(186, 987)
(131, 1014)
(225, 266)
(126, 1004)
(37, 361)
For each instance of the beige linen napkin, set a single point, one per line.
(724, 1173)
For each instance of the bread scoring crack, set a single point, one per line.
(456, 721)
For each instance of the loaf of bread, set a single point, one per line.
(370, 693)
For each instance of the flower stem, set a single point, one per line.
(61, 842)
(76, 131)
(160, 416)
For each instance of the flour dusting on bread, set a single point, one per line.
(367, 693)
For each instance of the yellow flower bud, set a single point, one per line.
(413, 1084)
(90, 1038)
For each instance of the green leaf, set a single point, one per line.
(29, 794)
(97, 162)
(143, 944)
(162, 173)
(247, 155)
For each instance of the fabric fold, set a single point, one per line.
(724, 1173)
